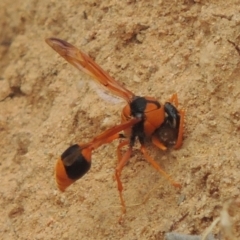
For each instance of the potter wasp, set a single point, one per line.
(141, 119)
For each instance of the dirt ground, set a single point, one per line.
(154, 48)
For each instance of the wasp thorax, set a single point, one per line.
(138, 106)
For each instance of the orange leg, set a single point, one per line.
(121, 144)
(158, 144)
(118, 171)
(158, 168)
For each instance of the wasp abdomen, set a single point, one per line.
(74, 163)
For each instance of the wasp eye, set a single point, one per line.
(172, 115)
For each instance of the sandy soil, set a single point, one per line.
(154, 48)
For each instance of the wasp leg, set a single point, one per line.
(120, 146)
(157, 143)
(158, 168)
(122, 162)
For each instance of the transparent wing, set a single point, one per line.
(84, 63)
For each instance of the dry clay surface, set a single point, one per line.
(154, 48)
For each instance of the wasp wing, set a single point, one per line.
(84, 63)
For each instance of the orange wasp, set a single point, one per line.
(141, 118)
